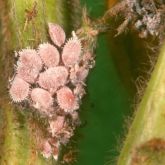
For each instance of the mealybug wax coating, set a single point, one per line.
(51, 78)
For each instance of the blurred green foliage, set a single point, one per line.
(106, 105)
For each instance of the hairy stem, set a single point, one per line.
(149, 123)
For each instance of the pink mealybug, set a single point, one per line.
(55, 153)
(29, 58)
(66, 99)
(79, 90)
(71, 51)
(57, 125)
(53, 78)
(46, 149)
(57, 34)
(29, 65)
(41, 98)
(29, 74)
(82, 73)
(55, 148)
(19, 90)
(87, 56)
(49, 54)
(88, 60)
(78, 74)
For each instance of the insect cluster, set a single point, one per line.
(149, 16)
(146, 17)
(51, 79)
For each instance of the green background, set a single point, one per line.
(105, 106)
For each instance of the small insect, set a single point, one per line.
(47, 149)
(79, 90)
(30, 14)
(78, 74)
(56, 126)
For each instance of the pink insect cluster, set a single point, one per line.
(51, 79)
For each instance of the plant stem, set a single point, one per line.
(149, 122)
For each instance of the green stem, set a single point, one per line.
(149, 122)
(16, 144)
